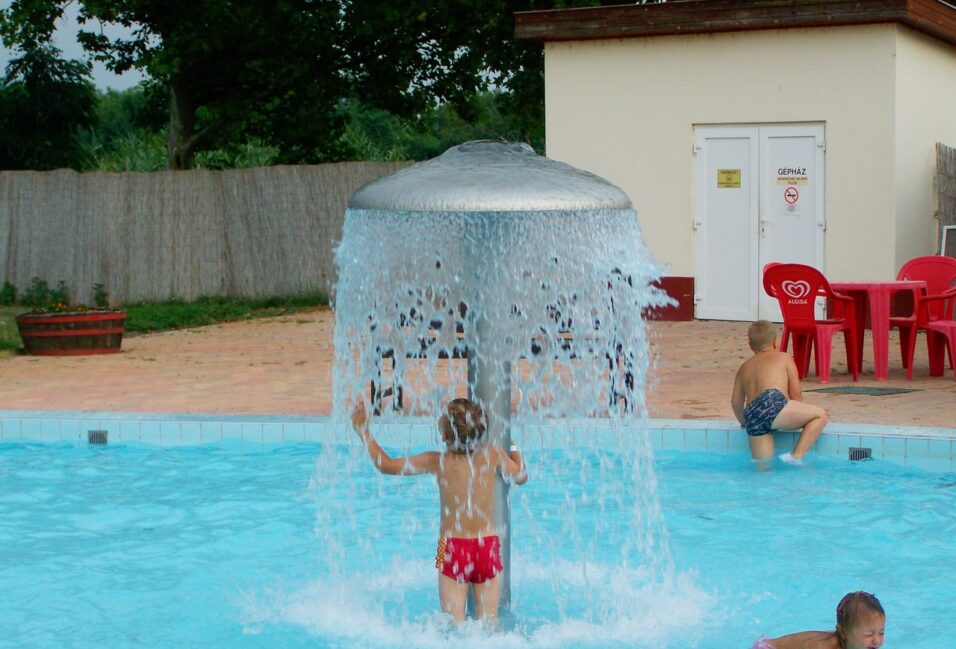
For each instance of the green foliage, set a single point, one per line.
(269, 84)
(138, 150)
(251, 154)
(374, 134)
(370, 134)
(8, 294)
(127, 139)
(121, 112)
(9, 334)
(40, 296)
(151, 316)
(44, 102)
(148, 317)
(101, 298)
(37, 294)
(268, 70)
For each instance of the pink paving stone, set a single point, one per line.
(284, 366)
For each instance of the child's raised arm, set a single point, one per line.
(512, 465)
(417, 464)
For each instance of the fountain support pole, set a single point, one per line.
(489, 385)
(491, 182)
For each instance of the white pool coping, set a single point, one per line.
(933, 449)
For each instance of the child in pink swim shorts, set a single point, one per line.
(860, 623)
(469, 551)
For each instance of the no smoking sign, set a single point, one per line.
(791, 195)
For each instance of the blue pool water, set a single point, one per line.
(255, 546)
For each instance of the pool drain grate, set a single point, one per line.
(859, 453)
(96, 436)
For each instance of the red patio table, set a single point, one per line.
(877, 295)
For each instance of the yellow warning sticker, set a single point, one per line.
(728, 178)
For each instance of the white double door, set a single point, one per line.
(759, 199)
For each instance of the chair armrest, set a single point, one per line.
(945, 295)
(922, 302)
(843, 306)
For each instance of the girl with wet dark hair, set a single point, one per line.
(860, 623)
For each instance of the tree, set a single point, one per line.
(44, 101)
(228, 67)
(447, 51)
(282, 72)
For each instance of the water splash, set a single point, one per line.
(560, 293)
(370, 609)
(549, 302)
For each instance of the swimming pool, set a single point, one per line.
(229, 545)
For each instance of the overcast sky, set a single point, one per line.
(65, 40)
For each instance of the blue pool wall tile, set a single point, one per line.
(917, 450)
(9, 429)
(252, 432)
(210, 432)
(149, 432)
(190, 433)
(845, 442)
(695, 439)
(737, 441)
(293, 432)
(231, 430)
(48, 430)
(70, 430)
(130, 431)
(894, 449)
(783, 442)
(718, 441)
(939, 456)
(169, 434)
(927, 448)
(874, 443)
(30, 429)
(272, 433)
(312, 432)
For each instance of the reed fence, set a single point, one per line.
(946, 195)
(261, 232)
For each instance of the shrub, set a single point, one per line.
(8, 294)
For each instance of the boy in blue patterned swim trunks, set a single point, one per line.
(767, 398)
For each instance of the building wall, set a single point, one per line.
(926, 114)
(626, 110)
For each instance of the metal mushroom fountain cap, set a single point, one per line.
(489, 176)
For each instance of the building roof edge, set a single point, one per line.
(934, 17)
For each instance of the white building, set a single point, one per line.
(754, 131)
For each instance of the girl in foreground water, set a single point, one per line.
(860, 622)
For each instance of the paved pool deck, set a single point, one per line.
(283, 366)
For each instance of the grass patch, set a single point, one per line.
(9, 336)
(148, 317)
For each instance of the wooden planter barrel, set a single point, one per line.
(72, 333)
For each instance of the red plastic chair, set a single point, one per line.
(939, 335)
(935, 306)
(796, 288)
(785, 334)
